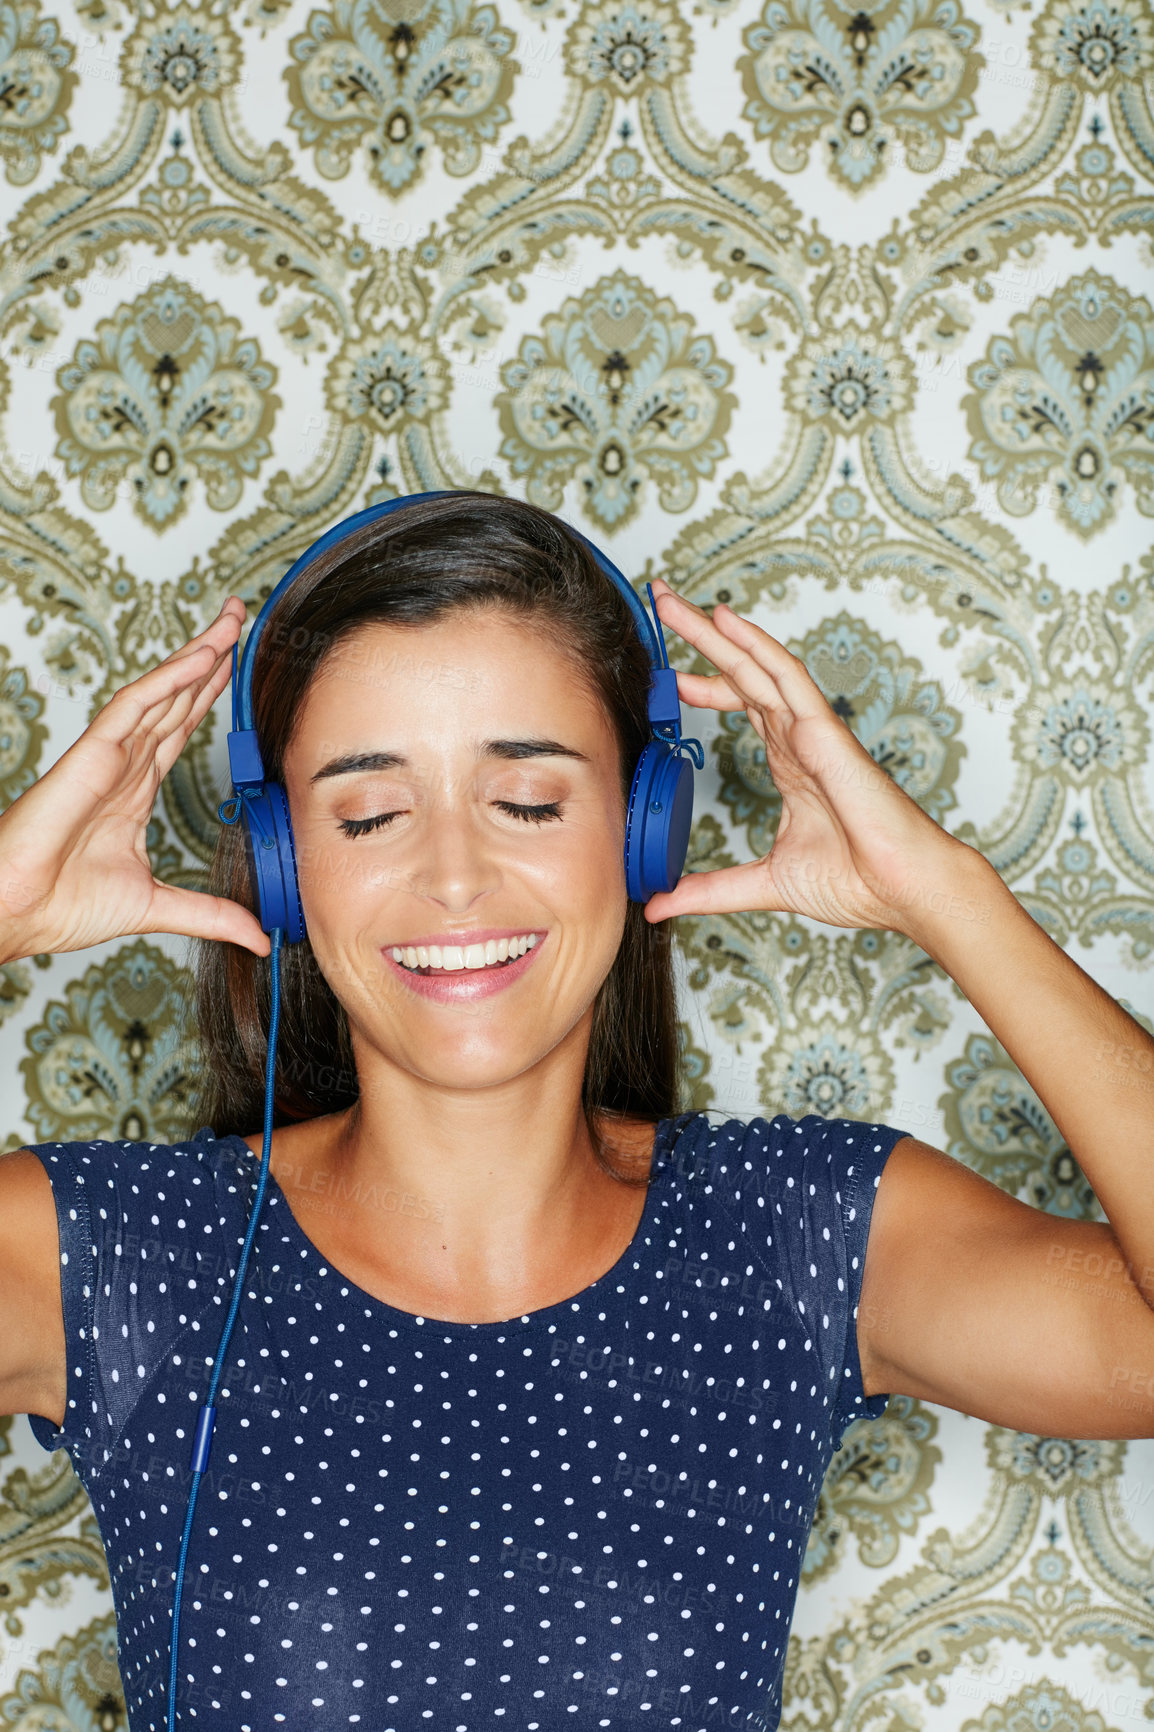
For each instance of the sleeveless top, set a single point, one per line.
(591, 1515)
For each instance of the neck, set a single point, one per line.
(466, 1199)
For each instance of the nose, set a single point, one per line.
(455, 865)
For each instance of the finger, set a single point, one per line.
(794, 680)
(708, 692)
(742, 671)
(753, 662)
(194, 700)
(224, 644)
(168, 714)
(134, 704)
(171, 747)
(123, 714)
(729, 890)
(221, 633)
(170, 711)
(193, 914)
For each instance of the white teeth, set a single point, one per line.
(454, 958)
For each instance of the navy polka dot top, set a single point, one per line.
(591, 1515)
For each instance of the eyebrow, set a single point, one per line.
(355, 763)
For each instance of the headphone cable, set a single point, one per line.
(206, 1418)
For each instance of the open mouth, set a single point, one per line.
(457, 959)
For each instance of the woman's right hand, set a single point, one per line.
(74, 869)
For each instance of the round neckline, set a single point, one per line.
(664, 1136)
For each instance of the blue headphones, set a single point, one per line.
(660, 807)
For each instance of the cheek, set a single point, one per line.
(346, 889)
(331, 874)
(579, 871)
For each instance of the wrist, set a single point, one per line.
(955, 901)
(17, 940)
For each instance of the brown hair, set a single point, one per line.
(411, 567)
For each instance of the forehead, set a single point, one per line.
(470, 674)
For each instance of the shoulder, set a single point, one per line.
(781, 1149)
(805, 1187)
(142, 1177)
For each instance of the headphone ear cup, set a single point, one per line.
(657, 821)
(272, 862)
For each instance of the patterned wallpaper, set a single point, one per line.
(837, 312)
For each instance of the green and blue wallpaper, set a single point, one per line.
(840, 313)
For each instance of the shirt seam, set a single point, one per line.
(88, 1306)
(67, 1437)
(849, 1203)
(165, 1362)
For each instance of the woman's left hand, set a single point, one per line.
(852, 848)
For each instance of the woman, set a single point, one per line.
(535, 1378)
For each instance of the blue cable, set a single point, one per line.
(206, 1418)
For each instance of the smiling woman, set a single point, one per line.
(535, 1377)
(442, 617)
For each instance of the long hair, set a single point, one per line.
(412, 567)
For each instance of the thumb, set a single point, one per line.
(729, 890)
(195, 914)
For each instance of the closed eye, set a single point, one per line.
(532, 814)
(540, 814)
(362, 826)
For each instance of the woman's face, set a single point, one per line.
(455, 789)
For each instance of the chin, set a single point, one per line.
(453, 1070)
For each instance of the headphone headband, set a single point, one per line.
(242, 703)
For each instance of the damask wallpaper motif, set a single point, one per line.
(838, 312)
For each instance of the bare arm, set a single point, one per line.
(969, 1297)
(74, 871)
(33, 1359)
(999, 1309)
(976, 1301)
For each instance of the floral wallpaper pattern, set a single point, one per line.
(840, 313)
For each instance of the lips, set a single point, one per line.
(459, 958)
(463, 985)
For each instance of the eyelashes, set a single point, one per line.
(532, 814)
(541, 814)
(362, 826)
